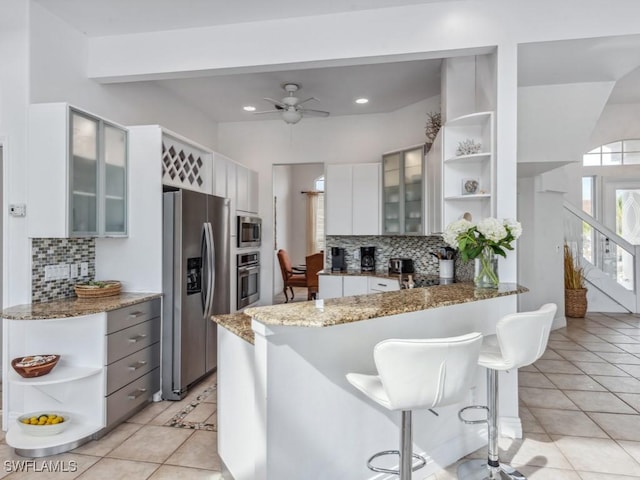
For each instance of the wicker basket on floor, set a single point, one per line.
(575, 302)
(106, 288)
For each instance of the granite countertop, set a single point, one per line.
(75, 307)
(363, 307)
(237, 323)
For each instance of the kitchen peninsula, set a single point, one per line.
(285, 409)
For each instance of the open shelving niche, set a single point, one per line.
(76, 385)
(478, 166)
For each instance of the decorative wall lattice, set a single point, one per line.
(184, 165)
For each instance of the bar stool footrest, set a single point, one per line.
(418, 466)
(473, 407)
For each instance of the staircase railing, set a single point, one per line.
(611, 262)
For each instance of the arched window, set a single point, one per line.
(318, 184)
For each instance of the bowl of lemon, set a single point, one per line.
(43, 423)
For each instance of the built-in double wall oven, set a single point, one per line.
(248, 278)
(249, 231)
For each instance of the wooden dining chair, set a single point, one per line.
(290, 276)
(315, 263)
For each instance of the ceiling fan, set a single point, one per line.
(290, 106)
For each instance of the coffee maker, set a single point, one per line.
(367, 259)
(338, 260)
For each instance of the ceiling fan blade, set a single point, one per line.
(277, 103)
(314, 113)
(307, 99)
(267, 111)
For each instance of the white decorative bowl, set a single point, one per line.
(44, 430)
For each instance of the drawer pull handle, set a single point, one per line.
(382, 284)
(137, 393)
(137, 365)
(136, 314)
(137, 338)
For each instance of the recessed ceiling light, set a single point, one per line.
(362, 100)
(249, 108)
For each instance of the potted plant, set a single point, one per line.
(482, 242)
(575, 293)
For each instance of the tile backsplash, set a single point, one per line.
(414, 247)
(56, 251)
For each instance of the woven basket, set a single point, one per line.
(92, 291)
(575, 302)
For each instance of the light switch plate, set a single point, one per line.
(84, 269)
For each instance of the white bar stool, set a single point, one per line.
(521, 338)
(418, 374)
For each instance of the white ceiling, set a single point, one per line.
(388, 86)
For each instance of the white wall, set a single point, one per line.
(345, 139)
(282, 190)
(302, 180)
(14, 92)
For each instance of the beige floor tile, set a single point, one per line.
(545, 398)
(575, 382)
(212, 420)
(580, 336)
(598, 402)
(605, 476)
(152, 443)
(619, 384)
(564, 344)
(550, 355)
(633, 370)
(575, 356)
(629, 347)
(567, 422)
(199, 451)
(534, 379)
(535, 449)
(529, 422)
(597, 455)
(169, 472)
(168, 413)
(150, 412)
(103, 446)
(620, 358)
(200, 413)
(603, 347)
(546, 473)
(114, 469)
(618, 338)
(632, 399)
(70, 466)
(618, 426)
(556, 366)
(528, 368)
(632, 448)
(594, 368)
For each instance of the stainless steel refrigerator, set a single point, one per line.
(195, 271)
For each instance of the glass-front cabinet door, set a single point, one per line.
(115, 180)
(403, 192)
(98, 177)
(84, 174)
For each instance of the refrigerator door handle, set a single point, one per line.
(211, 272)
(204, 255)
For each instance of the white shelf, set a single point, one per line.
(59, 374)
(474, 157)
(469, 197)
(469, 120)
(83, 194)
(47, 445)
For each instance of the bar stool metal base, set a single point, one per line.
(418, 466)
(479, 470)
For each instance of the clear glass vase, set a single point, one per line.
(486, 270)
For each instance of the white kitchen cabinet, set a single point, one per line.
(247, 190)
(403, 191)
(99, 381)
(78, 173)
(468, 179)
(186, 164)
(329, 286)
(220, 166)
(354, 285)
(352, 193)
(380, 284)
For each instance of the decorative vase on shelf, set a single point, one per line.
(486, 270)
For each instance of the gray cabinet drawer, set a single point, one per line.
(132, 315)
(377, 284)
(132, 367)
(132, 339)
(123, 402)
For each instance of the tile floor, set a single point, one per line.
(579, 406)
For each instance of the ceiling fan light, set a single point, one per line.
(249, 108)
(291, 116)
(362, 101)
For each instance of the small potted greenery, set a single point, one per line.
(575, 293)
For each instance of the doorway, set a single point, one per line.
(291, 184)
